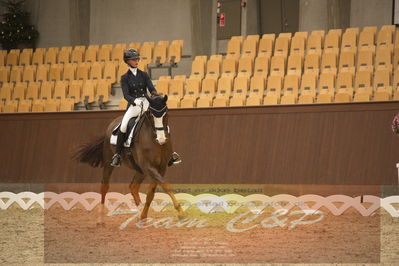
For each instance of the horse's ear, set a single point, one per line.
(165, 98)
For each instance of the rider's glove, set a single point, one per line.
(138, 102)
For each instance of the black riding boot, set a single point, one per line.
(117, 158)
(175, 159)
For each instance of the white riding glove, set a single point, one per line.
(138, 102)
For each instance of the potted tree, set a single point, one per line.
(15, 30)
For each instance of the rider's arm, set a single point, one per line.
(125, 90)
(149, 84)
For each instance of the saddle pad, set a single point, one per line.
(130, 132)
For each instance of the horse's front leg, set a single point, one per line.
(168, 189)
(148, 200)
(135, 187)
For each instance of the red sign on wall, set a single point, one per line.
(221, 21)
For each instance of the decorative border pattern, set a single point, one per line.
(206, 203)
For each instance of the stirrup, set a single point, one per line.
(175, 159)
(116, 160)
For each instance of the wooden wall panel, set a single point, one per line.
(299, 144)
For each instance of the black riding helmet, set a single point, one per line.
(130, 54)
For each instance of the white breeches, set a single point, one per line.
(133, 111)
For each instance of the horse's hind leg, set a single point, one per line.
(168, 189)
(148, 199)
(107, 171)
(135, 186)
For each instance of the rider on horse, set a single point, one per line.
(134, 86)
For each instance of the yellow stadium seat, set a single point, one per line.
(42, 72)
(363, 88)
(213, 68)
(24, 106)
(294, 66)
(122, 104)
(382, 85)
(224, 85)
(192, 90)
(383, 59)
(29, 73)
(241, 86)
(67, 105)
(5, 91)
(349, 41)
(312, 64)
(266, 47)
(208, 87)
(367, 41)
(77, 55)
(281, 46)
(332, 41)
(104, 53)
(274, 86)
(344, 90)
(314, 44)
(110, 71)
(103, 92)
(249, 48)
(162, 86)
(233, 48)
(365, 61)
(90, 55)
(96, 70)
(329, 63)
(146, 52)
(229, 67)
(46, 90)
(236, 101)
(10, 107)
(32, 92)
(122, 69)
(50, 56)
(117, 53)
(55, 72)
(347, 62)
(160, 52)
(60, 89)
(134, 45)
(261, 66)
(297, 45)
(308, 88)
(64, 56)
(75, 90)
(16, 73)
(82, 71)
(180, 77)
(204, 102)
(257, 85)
(5, 74)
(175, 52)
(38, 106)
(245, 66)
(25, 57)
(326, 90)
(277, 66)
(291, 89)
(176, 88)
(20, 90)
(38, 57)
(12, 59)
(52, 105)
(89, 91)
(198, 68)
(164, 78)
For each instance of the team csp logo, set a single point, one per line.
(206, 203)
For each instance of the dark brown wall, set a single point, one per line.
(300, 144)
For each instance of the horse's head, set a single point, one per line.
(158, 110)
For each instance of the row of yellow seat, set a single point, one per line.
(275, 89)
(25, 106)
(87, 91)
(317, 42)
(162, 52)
(70, 71)
(346, 61)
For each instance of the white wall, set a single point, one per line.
(371, 13)
(124, 21)
(313, 15)
(51, 18)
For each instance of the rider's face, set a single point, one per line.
(133, 62)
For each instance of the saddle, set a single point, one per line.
(133, 128)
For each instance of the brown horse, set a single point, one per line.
(151, 150)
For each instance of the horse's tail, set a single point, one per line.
(91, 153)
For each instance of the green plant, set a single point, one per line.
(15, 28)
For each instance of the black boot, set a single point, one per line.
(117, 158)
(175, 159)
